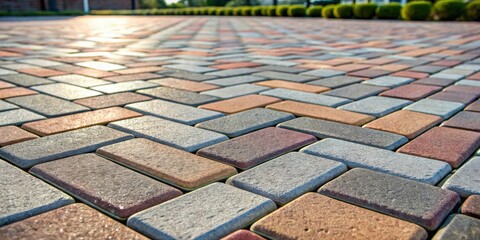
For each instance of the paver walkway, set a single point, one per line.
(239, 128)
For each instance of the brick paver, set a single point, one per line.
(459, 226)
(471, 206)
(254, 100)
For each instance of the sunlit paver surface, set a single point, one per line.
(238, 128)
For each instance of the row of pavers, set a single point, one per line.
(401, 185)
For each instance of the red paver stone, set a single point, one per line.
(254, 148)
(180, 168)
(11, 134)
(474, 107)
(446, 63)
(15, 92)
(75, 221)
(243, 234)
(112, 100)
(412, 92)
(6, 85)
(116, 190)
(240, 104)
(293, 85)
(392, 67)
(465, 120)
(94, 73)
(475, 76)
(369, 73)
(435, 81)
(185, 84)
(409, 74)
(314, 216)
(321, 112)
(407, 123)
(471, 206)
(41, 72)
(464, 98)
(464, 89)
(79, 120)
(451, 145)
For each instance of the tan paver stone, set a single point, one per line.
(11, 134)
(240, 104)
(112, 100)
(293, 86)
(185, 84)
(15, 92)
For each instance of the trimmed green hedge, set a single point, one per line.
(343, 11)
(473, 11)
(271, 11)
(327, 11)
(282, 11)
(364, 10)
(449, 9)
(417, 11)
(315, 11)
(257, 11)
(246, 11)
(296, 11)
(389, 11)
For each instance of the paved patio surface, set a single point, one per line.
(238, 127)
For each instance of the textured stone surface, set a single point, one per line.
(293, 86)
(412, 201)
(244, 122)
(79, 80)
(285, 76)
(407, 123)
(321, 112)
(451, 145)
(4, 106)
(356, 91)
(376, 106)
(184, 84)
(471, 206)
(66, 91)
(337, 220)
(174, 112)
(412, 92)
(124, 86)
(29, 153)
(15, 92)
(178, 96)
(464, 98)
(459, 226)
(79, 120)
(230, 81)
(18, 117)
(235, 91)
(170, 133)
(47, 106)
(389, 81)
(239, 104)
(287, 177)
(23, 196)
(464, 120)
(300, 96)
(328, 129)
(335, 82)
(465, 180)
(25, 80)
(12, 134)
(440, 108)
(361, 156)
(167, 163)
(117, 190)
(112, 100)
(257, 147)
(243, 234)
(75, 221)
(211, 212)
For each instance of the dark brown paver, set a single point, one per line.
(240, 104)
(464, 120)
(11, 134)
(471, 206)
(112, 100)
(412, 92)
(254, 148)
(117, 190)
(314, 216)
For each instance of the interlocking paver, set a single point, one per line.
(471, 206)
(335, 82)
(321, 112)
(314, 216)
(103, 66)
(172, 134)
(328, 129)
(459, 226)
(112, 100)
(285, 76)
(376, 106)
(407, 123)
(464, 180)
(32, 152)
(297, 174)
(41, 72)
(179, 96)
(236, 91)
(47, 106)
(230, 81)
(79, 80)
(243, 234)
(293, 86)
(72, 221)
(463, 89)
(244, 122)
(66, 91)
(474, 107)
(18, 117)
(174, 112)
(389, 81)
(254, 148)
(240, 104)
(12, 134)
(412, 201)
(232, 73)
(307, 97)
(323, 73)
(412, 92)
(356, 91)
(443, 82)
(464, 98)
(23, 196)
(118, 191)
(124, 86)
(464, 120)
(184, 84)
(190, 68)
(444, 109)
(369, 73)
(25, 80)
(167, 163)
(215, 211)
(15, 92)
(5, 106)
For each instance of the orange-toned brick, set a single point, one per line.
(409, 74)
(15, 92)
(292, 85)
(185, 84)
(12, 134)
(41, 72)
(239, 104)
(236, 65)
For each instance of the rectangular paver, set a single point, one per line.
(464, 180)
(66, 91)
(112, 100)
(239, 104)
(47, 105)
(300, 96)
(178, 96)
(13, 134)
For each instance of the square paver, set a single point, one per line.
(460, 97)
(376, 106)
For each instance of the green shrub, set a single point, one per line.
(229, 11)
(315, 11)
(389, 11)
(271, 11)
(282, 11)
(449, 9)
(212, 11)
(257, 11)
(327, 11)
(343, 11)
(364, 10)
(246, 11)
(417, 11)
(237, 11)
(221, 11)
(296, 11)
(473, 11)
